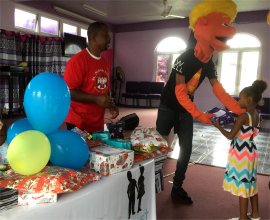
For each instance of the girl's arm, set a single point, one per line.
(241, 120)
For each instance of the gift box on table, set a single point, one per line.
(109, 160)
(25, 198)
(44, 186)
(147, 140)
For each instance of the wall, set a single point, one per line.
(7, 15)
(134, 53)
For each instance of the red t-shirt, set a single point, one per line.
(90, 75)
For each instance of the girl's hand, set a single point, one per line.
(216, 123)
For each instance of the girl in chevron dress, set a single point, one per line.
(241, 170)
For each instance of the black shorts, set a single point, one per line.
(166, 120)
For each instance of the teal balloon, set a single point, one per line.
(18, 127)
(68, 149)
(46, 102)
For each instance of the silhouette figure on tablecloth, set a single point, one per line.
(131, 191)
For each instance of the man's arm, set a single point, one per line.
(102, 100)
(183, 98)
(228, 101)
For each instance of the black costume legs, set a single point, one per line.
(183, 126)
(185, 135)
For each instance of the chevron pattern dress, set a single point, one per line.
(241, 170)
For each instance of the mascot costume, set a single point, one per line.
(210, 22)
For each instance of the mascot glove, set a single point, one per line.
(205, 118)
(228, 101)
(184, 100)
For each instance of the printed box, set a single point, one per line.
(36, 198)
(109, 160)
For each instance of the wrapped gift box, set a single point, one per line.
(225, 117)
(109, 160)
(147, 140)
(36, 198)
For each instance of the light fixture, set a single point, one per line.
(94, 10)
(72, 14)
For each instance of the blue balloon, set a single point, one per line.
(68, 149)
(18, 127)
(46, 102)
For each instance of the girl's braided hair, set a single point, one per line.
(255, 90)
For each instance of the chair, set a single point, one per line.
(131, 90)
(155, 91)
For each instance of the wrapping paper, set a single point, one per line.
(148, 140)
(108, 160)
(51, 179)
(36, 198)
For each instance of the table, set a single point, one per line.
(104, 199)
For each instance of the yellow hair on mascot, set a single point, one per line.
(206, 7)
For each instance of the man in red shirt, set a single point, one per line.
(87, 76)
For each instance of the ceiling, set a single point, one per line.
(134, 11)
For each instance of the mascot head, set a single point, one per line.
(211, 22)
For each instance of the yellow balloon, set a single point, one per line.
(29, 152)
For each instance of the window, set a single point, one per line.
(49, 26)
(69, 29)
(166, 53)
(240, 64)
(24, 19)
(45, 24)
(84, 34)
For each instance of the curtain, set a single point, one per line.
(44, 54)
(10, 55)
(40, 53)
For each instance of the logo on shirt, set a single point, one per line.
(101, 80)
(178, 65)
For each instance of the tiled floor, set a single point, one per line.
(211, 147)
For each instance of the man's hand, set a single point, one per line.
(105, 101)
(114, 112)
(205, 118)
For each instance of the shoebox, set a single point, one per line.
(109, 160)
(25, 198)
(225, 117)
